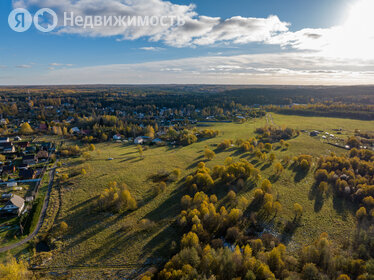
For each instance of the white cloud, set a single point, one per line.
(197, 30)
(151, 49)
(24, 66)
(276, 68)
(56, 64)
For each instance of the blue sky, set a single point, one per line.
(220, 48)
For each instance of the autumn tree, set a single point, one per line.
(25, 128)
(298, 210)
(13, 270)
(209, 154)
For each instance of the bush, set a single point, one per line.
(231, 195)
(209, 154)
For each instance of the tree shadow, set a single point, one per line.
(317, 196)
(266, 166)
(300, 175)
(289, 230)
(169, 208)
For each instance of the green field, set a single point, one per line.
(104, 239)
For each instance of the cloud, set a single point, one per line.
(23, 66)
(276, 68)
(3, 66)
(55, 64)
(197, 30)
(151, 49)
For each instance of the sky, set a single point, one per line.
(319, 42)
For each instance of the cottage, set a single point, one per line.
(157, 141)
(4, 139)
(42, 155)
(139, 140)
(75, 130)
(9, 169)
(117, 137)
(30, 150)
(11, 184)
(14, 206)
(7, 147)
(27, 174)
(23, 144)
(29, 159)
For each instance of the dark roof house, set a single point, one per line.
(14, 206)
(27, 174)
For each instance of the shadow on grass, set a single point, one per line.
(170, 208)
(300, 174)
(289, 230)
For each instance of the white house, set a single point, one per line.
(139, 140)
(117, 137)
(75, 130)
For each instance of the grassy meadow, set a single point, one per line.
(105, 240)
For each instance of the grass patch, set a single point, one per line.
(105, 239)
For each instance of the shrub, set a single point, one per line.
(209, 154)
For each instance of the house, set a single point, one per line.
(23, 144)
(11, 184)
(117, 137)
(14, 206)
(47, 146)
(146, 139)
(27, 174)
(6, 196)
(43, 126)
(75, 130)
(157, 141)
(29, 159)
(23, 166)
(42, 155)
(9, 169)
(30, 150)
(4, 139)
(7, 147)
(139, 140)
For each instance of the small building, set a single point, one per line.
(75, 130)
(4, 139)
(15, 205)
(29, 159)
(157, 141)
(139, 140)
(23, 144)
(117, 137)
(7, 147)
(27, 174)
(9, 169)
(11, 184)
(17, 138)
(43, 126)
(42, 154)
(30, 150)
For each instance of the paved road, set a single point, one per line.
(41, 217)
